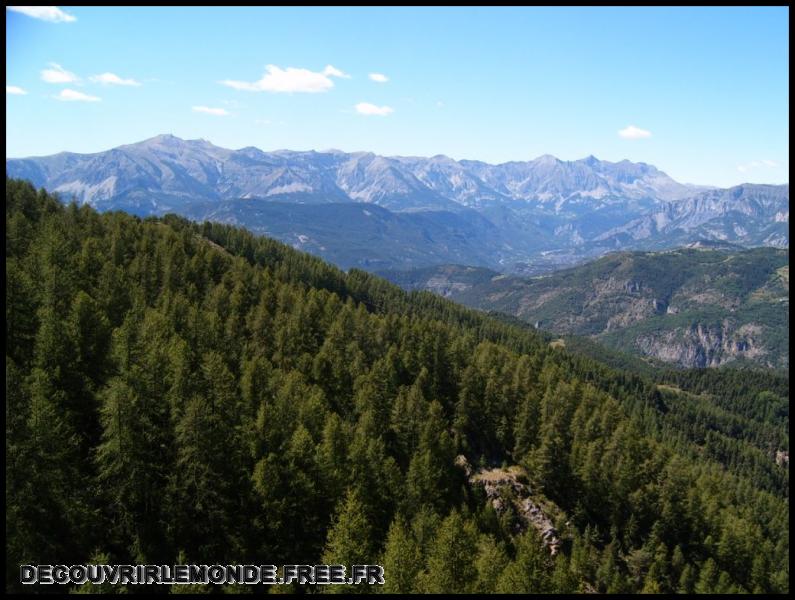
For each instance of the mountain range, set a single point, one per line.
(375, 212)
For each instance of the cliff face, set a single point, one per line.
(707, 346)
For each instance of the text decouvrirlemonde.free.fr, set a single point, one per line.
(202, 574)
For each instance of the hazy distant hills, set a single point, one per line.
(519, 216)
(693, 307)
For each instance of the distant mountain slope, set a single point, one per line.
(693, 307)
(365, 236)
(749, 214)
(526, 217)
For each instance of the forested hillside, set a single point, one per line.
(185, 393)
(703, 306)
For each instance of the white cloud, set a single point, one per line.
(758, 164)
(331, 71)
(45, 13)
(218, 112)
(634, 133)
(15, 90)
(74, 96)
(57, 74)
(439, 104)
(289, 80)
(262, 122)
(112, 79)
(365, 108)
(379, 77)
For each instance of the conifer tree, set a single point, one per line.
(350, 539)
(450, 562)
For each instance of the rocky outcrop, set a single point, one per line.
(444, 287)
(503, 489)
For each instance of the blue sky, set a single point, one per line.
(702, 93)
